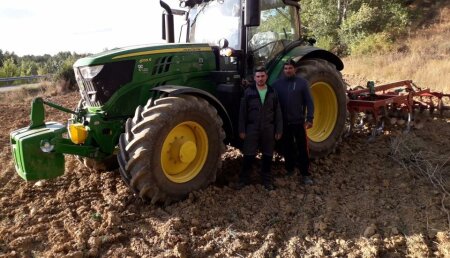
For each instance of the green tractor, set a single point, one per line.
(163, 113)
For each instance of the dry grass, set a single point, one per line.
(416, 246)
(27, 93)
(443, 244)
(431, 163)
(423, 57)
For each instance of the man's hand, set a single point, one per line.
(308, 125)
(242, 135)
(278, 136)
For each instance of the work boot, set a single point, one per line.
(240, 185)
(269, 186)
(244, 177)
(290, 172)
(307, 180)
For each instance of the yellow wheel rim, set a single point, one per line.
(325, 111)
(184, 152)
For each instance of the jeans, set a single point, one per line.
(295, 148)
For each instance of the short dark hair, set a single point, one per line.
(260, 69)
(290, 62)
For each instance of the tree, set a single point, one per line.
(1, 58)
(343, 25)
(65, 72)
(9, 68)
(28, 67)
(42, 69)
(320, 19)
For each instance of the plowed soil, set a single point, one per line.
(366, 201)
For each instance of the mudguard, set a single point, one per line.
(173, 90)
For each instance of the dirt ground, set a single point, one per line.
(368, 200)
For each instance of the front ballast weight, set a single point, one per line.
(38, 150)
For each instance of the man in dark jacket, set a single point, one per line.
(260, 124)
(295, 98)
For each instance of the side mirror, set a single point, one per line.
(311, 41)
(252, 13)
(223, 43)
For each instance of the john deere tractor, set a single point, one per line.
(162, 113)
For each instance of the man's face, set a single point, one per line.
(260, 78)
(289, 70)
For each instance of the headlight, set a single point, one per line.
(89, 72)
(77, 74)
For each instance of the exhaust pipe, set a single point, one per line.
(167, 23)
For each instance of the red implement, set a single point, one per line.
(398, 98)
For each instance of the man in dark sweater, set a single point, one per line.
(295, 100)
(260, 124)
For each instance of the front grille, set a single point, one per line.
(113, 76)
(88, 93)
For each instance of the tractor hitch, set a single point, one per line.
(38, 112)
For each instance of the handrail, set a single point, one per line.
(32, 77)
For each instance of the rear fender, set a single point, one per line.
(300, 53)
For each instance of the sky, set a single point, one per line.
(37, 27)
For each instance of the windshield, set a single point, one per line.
(215, 20)
(279, 26)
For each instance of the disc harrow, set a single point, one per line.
(394, 103)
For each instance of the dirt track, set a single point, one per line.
(363, 204)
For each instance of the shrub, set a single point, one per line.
(375, 43)
(28, 68)
(326, 42)
(65, 75)
(348, 24)
(9, 68)
(42, 70)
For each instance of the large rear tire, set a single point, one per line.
(330, 105)
(172, 148)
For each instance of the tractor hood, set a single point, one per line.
(134, 52)
(101, 76)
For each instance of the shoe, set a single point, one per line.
(290, 172)
(307, 180)
(269, 187)
(239, 186)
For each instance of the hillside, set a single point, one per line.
(423, 56)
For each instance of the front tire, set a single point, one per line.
(330, 105)
(172, 148)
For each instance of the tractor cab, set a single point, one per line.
(244, 34)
